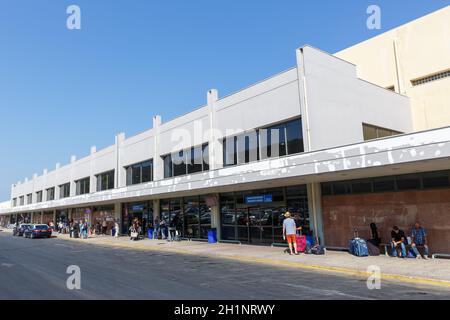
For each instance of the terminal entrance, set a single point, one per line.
(256, 217)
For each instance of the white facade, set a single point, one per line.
(322, 89)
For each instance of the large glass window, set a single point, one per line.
(64, 190)
(39, 197)
(105, 181)
(29, 198)
(50, 194)
(274, 141)
(139, 212)
(179, 163)
(429, 180)
(257, 216)
(139, 173)
(83, 186)
(195, 160)
(22, 200)
(371, 132)
(190, 216)
(192, 160)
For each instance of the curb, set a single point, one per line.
(289, 264)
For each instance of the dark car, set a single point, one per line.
(20, 229)
(38, 231)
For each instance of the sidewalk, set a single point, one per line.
(420, 272)
(427, 272)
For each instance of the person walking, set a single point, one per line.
(156, 225)
(116, 228)
(290, 233)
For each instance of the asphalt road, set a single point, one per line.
(36, 269)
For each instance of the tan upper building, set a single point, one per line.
(414, 60)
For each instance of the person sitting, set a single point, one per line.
(419, 238)
(398, 242)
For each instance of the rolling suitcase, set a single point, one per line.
(358, 246)
(301, 243)
(373, 249)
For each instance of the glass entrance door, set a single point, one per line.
(260, 226)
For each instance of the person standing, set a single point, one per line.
(104, 227)
(163, 228)
(290, 233)
(419, 238)
(157, 228)
(116, 227)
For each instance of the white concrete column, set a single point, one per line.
(58, 165)
(215, 146)
(158, 163)
(120, 176)
(156, 209)
(73, 185)
(315, 211)
(215, 217)
(118, 215)
(93, 179)
(303, 100)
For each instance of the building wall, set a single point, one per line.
(5, 205)
(409, 52)
(338, 103)
(342, 214)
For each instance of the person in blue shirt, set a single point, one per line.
(419, 238)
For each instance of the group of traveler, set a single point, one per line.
(166, 231)
(82, 228)
(400, 245)
(417, 241)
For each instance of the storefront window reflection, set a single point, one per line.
(257, 216)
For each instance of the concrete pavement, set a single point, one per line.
(427, 272)
(36, 269)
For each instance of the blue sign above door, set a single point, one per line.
(266, 198)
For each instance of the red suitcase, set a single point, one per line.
(301, 243)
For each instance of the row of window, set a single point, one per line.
(434, 77)
(269, 142)
(275, 141)
(105, 181)
(192, 160)
(429, 180)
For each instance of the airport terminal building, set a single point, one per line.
(337, 151)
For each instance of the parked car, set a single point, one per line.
(38, 231)
(20, 229)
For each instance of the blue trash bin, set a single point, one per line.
(212, 236)
(150, 233)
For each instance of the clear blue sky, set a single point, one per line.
(62, 91)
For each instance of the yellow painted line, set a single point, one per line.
(280, 263)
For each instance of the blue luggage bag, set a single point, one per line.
(358, 247)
